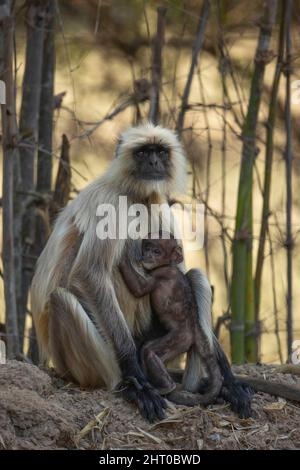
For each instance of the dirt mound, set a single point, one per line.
(40, 411)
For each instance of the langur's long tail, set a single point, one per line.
(195, 369)
(203, 296)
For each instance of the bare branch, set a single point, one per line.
(196, 50)
(141, 94)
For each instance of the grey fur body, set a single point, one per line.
(85, 316)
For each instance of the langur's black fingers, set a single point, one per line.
(244, 402)
(247, 388)
(129, 380)
(164, 404)
(160, 412)
(133, 394)
(149, 407)
(129, 394)
(239, 398)
(150, 404)
(143, 408)
(129, 389)
(233, 390)
(157, 398)
(158, 404)
(243, 409)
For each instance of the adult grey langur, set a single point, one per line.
(87, 321)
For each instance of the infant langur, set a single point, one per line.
(172, 300)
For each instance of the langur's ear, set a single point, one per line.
(177, 255)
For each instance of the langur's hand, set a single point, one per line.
(148, 400)
(239, 395)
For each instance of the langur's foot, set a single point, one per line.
(148, 400)
(239, 395)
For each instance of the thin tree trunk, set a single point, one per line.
(157, 65)
(274, 291)
(243, 334)
(44, 161)
(270, 125)
(44, 166)
(223, 70)
(208, 173)
(196, 50)
(29, 114)
(10, 151)
(29, 119)
(18, 216)
(288, 161)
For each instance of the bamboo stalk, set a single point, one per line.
(270, 125)
(243, 335)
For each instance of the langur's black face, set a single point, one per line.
(152, 162)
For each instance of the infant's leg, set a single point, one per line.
(156, 371)
(155, 353)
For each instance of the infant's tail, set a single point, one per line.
(213, 380)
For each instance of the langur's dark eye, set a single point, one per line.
(156, 251)
(140, 154)
(163, 153)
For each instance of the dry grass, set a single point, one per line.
(40, 411)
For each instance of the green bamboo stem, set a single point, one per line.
(242, 295)
(270, 125)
